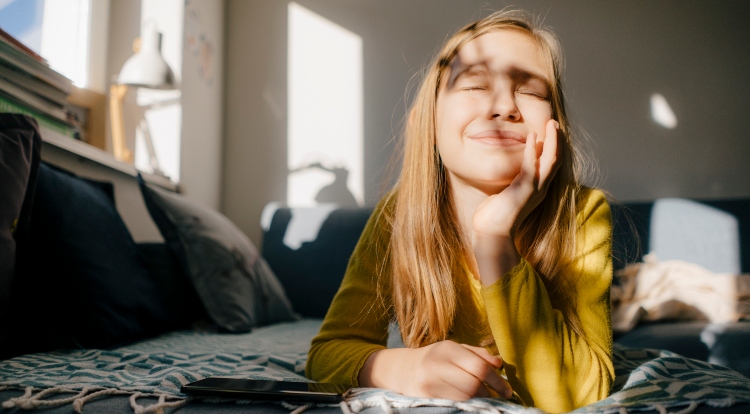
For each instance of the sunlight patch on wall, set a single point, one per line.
(325, 124)
(661, 112)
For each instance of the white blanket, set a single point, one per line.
(677, 290)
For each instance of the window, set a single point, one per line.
(70, 34)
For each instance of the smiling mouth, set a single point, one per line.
(499, 138)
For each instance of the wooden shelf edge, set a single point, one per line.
(102, 157)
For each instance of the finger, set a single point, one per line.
(528, 165)
(498, 384)
(481, 369)
(485, 354)
(462, 385)
(548, 159)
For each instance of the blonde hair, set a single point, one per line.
(426, 241)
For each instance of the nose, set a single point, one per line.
(503, 106)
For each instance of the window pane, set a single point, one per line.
(22, 19)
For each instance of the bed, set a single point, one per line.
(103, 324)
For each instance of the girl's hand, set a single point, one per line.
(444, 369)
(500, 214)
(496, 218)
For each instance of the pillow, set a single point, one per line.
(19, 160)
(236, 286)
(81, 282)
(179, 296)
(311, 270)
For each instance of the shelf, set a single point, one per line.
(101, 157)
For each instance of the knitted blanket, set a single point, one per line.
(646, 379)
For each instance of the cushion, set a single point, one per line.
(632, 222)
(179, 295)
(236, 286)
(19, 160)
(309, 248)
(691, 231)
(81, 282)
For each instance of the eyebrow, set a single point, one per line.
(467, 71)
(515, 73)
(524, 75)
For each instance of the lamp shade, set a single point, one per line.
(147, 68)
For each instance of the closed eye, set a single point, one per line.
(535, 94)
(474, 88)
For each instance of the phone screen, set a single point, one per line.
(266, 389)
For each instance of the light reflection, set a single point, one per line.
(661, 112)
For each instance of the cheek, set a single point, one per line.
(536, 114)
(453, 114)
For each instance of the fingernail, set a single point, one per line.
(557, 125)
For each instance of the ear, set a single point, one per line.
(412, 115)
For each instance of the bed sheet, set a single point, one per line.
(149, 374)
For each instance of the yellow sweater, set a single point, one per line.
(548, 365)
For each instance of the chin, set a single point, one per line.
(492, 185)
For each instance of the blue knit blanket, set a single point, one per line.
(646, 379)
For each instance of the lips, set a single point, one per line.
(499, 138)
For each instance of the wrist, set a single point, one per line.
(492, 245)
(495, 256)
(380, 370)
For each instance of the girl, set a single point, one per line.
(488, 245)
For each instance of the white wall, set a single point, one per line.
(202, 101)
(255, 98)
(694, 53)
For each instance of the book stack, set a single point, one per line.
(29, 86)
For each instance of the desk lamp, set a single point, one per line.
(145, 69)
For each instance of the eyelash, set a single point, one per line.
(484, 88)
(540, 96)
(474, 88)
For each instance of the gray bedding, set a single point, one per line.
(646, 379)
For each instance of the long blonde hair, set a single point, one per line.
(426, 247)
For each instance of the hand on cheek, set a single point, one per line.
(501, 213)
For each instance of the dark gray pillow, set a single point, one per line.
(80, 280)
(236, 286)
(20, 144)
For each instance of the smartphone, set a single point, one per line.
(250, 389)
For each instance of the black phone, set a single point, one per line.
(251, 389)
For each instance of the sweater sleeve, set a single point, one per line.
(356, 324)
(548, 364)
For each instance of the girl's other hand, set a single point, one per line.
(500, 214)
(444, 369)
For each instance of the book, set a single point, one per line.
(22, 47)
(10, 106)
(33, 84)
(37, 102)
(12, 56)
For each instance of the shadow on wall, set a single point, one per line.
(337, 192)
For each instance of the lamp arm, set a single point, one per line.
(154, 162)
(116, 95)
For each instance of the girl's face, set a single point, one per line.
(495, 93)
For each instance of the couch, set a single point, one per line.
(712, 233)
(98, 323)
